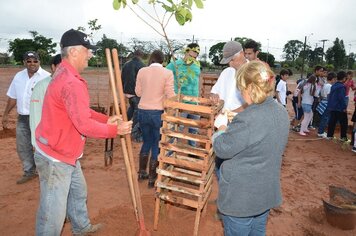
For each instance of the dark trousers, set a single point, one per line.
(133, 109)
(336, 116)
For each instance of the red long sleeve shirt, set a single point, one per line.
(67, 119)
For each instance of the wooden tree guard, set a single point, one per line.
(207, 81)
(185, 173)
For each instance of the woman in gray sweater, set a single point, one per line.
(251, 147)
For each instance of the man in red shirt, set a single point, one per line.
(60, 137)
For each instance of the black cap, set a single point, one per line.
(31, 54)
(74, 38)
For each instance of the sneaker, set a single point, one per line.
(91, 229)
(353, 149)
(344, 140)
(26, 178)
(329, 138)
(296, 129)
(323, 135)
(311, 127)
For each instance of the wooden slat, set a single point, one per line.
(171, 197)
(187, 107)
(187, 136)
(180, 189)
(178, 200)
(182, 148)
(176, 162)
(180, 176)
(202, 124)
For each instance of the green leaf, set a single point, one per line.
(167, 8)
(116, 4)
(199, 3)
(188, 16)
(135, 1)
(179, 18)
(182, 11)
(190, 3)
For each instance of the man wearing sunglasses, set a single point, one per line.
(19, 94)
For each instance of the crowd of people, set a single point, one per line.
(55, 119)
(320, 102)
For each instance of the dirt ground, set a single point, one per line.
(310, 165)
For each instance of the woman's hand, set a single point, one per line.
(221, 120)
(113, 120)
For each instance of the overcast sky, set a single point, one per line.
(272, 23)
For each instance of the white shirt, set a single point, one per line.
(225, 87)
(282, 91)
(21, 89)
(325, 90)
(306, 97)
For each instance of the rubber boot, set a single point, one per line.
(142, 173)
(152, 173)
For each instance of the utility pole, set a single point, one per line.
(305, 44)
(322, 56)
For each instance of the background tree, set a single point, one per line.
(40, 44)
(314, 57)
(351, 61)
(270, 59)
(336, 55)
(292, 50)
(106, 42)
(176, 45)
(243, 41)
(215, 53)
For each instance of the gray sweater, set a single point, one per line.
(252, 149)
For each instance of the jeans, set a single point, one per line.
(150, 123)
(63, 193)
(323, 121)
(133, 109)
(24, 145)
(191, 130)
(245, 226)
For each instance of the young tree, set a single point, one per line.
(181, 10)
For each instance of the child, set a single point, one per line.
(337, 107)
(281, 90)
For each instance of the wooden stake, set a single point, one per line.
(122, 139)
(143, 230)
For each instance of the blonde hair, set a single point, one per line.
(259, 77)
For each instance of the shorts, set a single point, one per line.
(307, 108)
